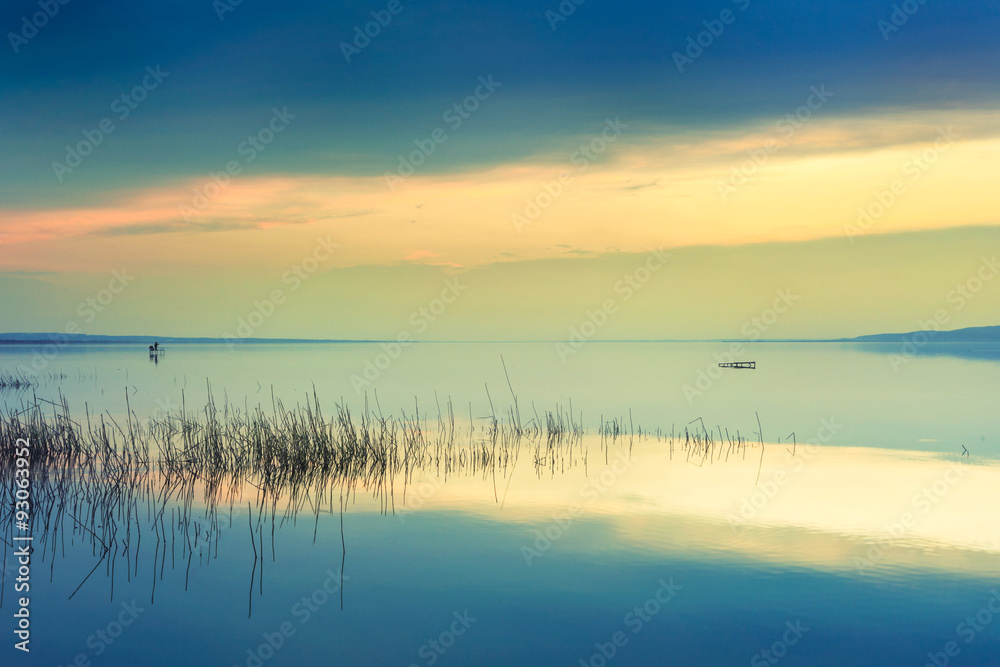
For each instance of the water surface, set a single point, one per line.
(872, 545)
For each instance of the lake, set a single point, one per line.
(633, 505)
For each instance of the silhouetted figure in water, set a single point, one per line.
(156, 346)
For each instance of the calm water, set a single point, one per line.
(872, 546)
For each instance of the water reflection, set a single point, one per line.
(224, 521)
(178, 479)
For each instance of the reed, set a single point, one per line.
(95, 478)
(16, 381)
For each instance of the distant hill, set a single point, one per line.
(967, 335)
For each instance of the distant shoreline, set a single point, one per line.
(963, 336)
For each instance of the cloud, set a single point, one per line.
(811, 188)
(175, 227)
(640, 186)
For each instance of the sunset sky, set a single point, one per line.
(222, 153)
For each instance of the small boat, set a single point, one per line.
(752, 365)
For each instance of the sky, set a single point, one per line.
(496, 171)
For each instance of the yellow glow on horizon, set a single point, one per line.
(666, 190)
